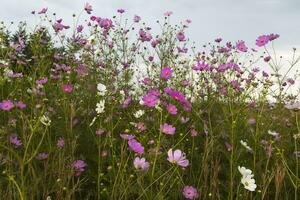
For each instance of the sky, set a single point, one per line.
(230, 19)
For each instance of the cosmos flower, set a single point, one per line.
(149, 100)
(141, 164)
(6, 105)
(127, 136)
(139, 113)
(101, 89)
(14, 140)
(45, 120)
(190, 192)
(60, 142)
(180, 36)
(88, 8)
(247, 179)
(21, 105)
(67, 88)
(167, 129)
(166, 72)
(177, 157)
(100, 107)
(172, 109)
(262, 40)
(42, 156)
(136, 18)
(145, 36)
(241, 46)
(78, 166)
(136, 146)
(248, 148)
(43, 11)
(121, 10)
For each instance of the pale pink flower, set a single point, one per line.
(177, 157)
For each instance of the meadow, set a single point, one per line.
(107, 109)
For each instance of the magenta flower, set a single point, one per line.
(21, 105)
(100, 131)
(167, 129)
(6, 105)
(79, 167)
(168, 13)
(194, 132)
(262, 40)
(42, 81)
(180, 36)
(136, 18)
(121, 10)
(177, 157)
(150, 100)
(166, 72)
(172, 109)
(42, 156)
(178, 96)
(144, 36)
(67, 88)
(14, 140)
(190, 192)
(127, 136)
(60, 143)
(240, 45)
(43, 11)
(141, 164)
(88, 8)
(273, 36)
(136, 146)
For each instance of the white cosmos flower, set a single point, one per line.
(247, 179)
(273, 133)
(139, 113)
(45, 120)
(246, 145)
(100, 107)
(249, 183)
(101, 89)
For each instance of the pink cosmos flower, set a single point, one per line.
(177, 157)
(42, 156)
(194, 132)
(60, 143)
(167, 129)
(168, 13)
(43, 11)
(14, 140)
(190, 192)
(144, 36)
(136, 18)
(241, 46)
(67, 88)
(178, 96)
(42, 81)
(136, 146)
(6, 105)
(262, 40)
(79, 167)
(150, 100)
(273, 36)
(88, 8)
(180, 36)
(127, 136)
(166, 72)
(172, 109)
(21, 105)
(141, 164)
(121, 10)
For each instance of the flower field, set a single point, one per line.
(110, 108)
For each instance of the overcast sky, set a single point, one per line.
(230, 19)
